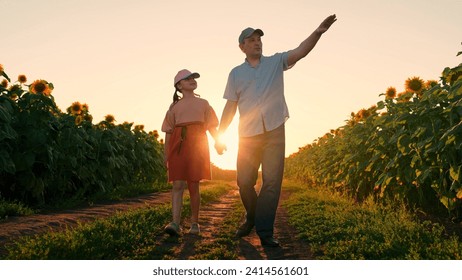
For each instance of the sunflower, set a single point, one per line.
(49, 89)
(363, 114)
(431, 83)
(88, 118)
(139, 127)
(414, 84)
(390, 93)
(4, 83)
(85, 107)
(1, 69)
(155, 133)
(41, 86)
(76, 108)
(109, 118)
(22, 79)
(37, 86)
(453, 76)
(404, 96)
(15, 88)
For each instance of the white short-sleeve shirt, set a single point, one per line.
(259, 92)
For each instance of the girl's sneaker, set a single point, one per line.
(172, 229)
(195, 229)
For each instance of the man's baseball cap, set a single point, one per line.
(246, 33)
(184, 74)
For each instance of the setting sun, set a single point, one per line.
(231, 139)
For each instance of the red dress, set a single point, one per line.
(188, 149)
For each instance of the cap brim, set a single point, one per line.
(195, 75)
(259, 31)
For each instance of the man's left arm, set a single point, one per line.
(308, 44)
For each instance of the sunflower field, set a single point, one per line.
(407, 147)
(47, 155)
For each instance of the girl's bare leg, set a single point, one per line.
(195, 201)
(177, 200)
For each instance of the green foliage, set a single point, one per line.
(338, 229)
(13, 209)
(407, 148)
(220, 174)
(126, 235)
(47, 156)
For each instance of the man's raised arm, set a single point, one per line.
(308, 44)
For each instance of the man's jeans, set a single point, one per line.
(267, 149)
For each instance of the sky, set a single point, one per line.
(120, 57)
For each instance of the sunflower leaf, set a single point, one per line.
(6, 76)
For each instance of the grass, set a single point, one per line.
(337, 228)
(126, 235)
(225, 245)
(334, 226)
(9, 209)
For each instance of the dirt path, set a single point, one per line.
(16, 227)
(212, 216)
(291, 248)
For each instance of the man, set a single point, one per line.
(256, 89)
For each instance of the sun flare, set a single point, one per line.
(228, 159)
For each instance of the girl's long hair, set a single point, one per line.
(176, 97)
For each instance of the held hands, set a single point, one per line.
(325, 25)
(220, 147)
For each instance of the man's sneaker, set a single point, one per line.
(269, 242)
(195, 229)
(244, 229)
(172, 229)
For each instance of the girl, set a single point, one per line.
(186, 148)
